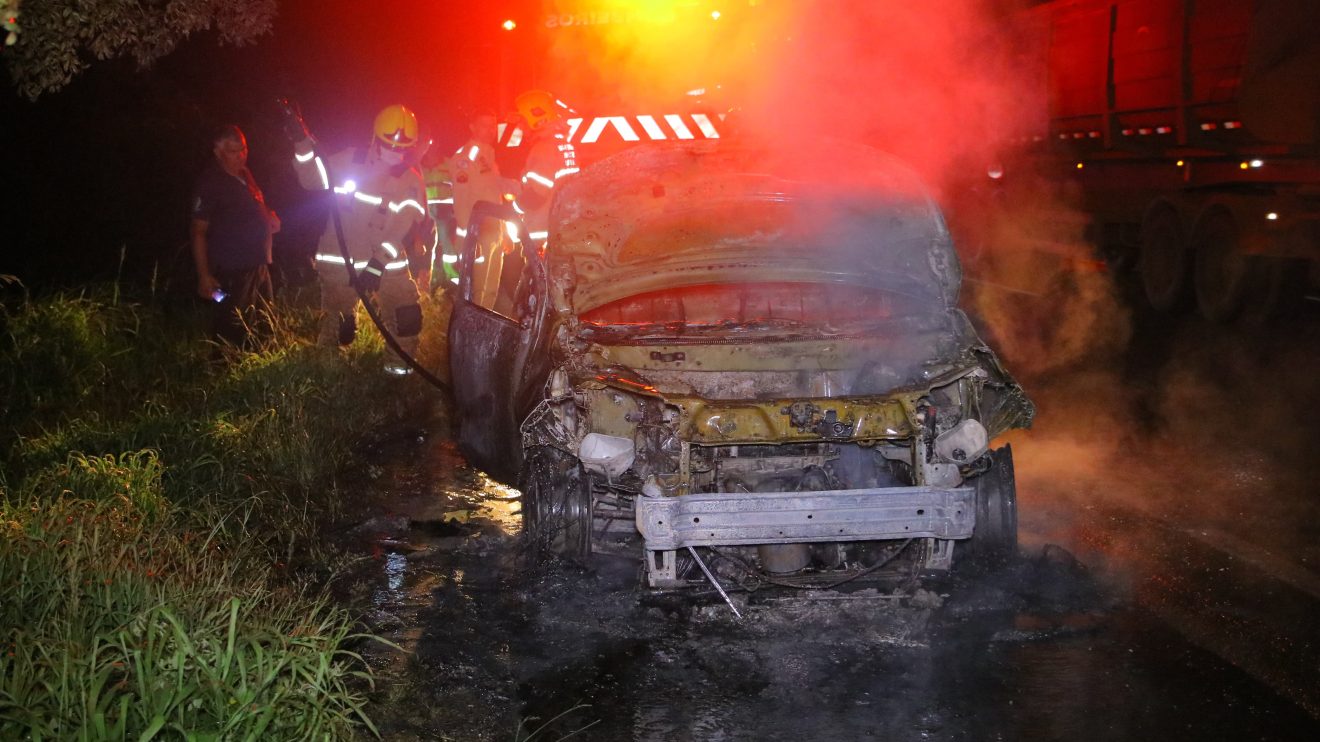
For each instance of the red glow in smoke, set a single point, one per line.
(937, 84)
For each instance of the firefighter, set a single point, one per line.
(381, 203)
(551, 158)
(474, 172)
(440, 205)
(476, 177)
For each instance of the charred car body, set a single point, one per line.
(717, 351)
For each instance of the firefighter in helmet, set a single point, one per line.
(474, 176)
(550, 158)
(381, 203)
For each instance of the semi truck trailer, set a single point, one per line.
(1190, 130)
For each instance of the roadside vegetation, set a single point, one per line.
(161, 505)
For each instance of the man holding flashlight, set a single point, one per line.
(231, 238)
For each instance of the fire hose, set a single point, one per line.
(290, 112)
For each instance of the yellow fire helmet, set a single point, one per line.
(396, 127)
(538, 108)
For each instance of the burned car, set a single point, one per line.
(719, 357)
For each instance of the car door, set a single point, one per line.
(495, 345)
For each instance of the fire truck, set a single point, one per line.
(567, 39)
(1189, 128)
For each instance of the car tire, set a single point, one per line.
(994, 537)
(556, 505)
(1166, 263)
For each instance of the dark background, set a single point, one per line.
(97, 176)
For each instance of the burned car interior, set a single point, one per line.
(737, 371)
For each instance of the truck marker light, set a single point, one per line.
(714, 15)
(1209, 126)
(1180, 163)
(1081, 165)
(1232, 124)
(1244, 165)
(508, 25)
(1272, 216)
(1258, 163)
(1164, 130)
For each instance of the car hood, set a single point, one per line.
(663, 216)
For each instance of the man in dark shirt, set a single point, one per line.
(231, 238)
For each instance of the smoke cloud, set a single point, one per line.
(941, 85)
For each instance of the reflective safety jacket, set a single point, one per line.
(476, 177)
(439, 187)
(551, 159)
(383, 213)
(440, 203)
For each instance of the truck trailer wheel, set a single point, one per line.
(556, 505)
(1165, 261)
(1224, 276)
(994, 538)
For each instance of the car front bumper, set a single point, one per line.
(737, 518)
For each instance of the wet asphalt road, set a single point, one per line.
(1167, 586)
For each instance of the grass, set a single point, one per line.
(159, 497)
